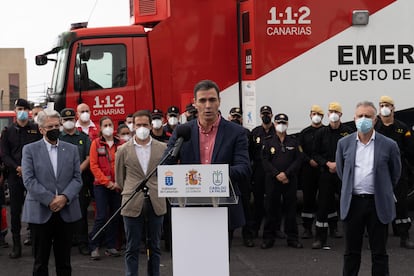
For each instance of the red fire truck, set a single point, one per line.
(286, 54)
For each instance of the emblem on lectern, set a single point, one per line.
(217, 178)
(193, 177)
(169, 179)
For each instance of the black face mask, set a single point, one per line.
(53, 134)
(237, 121)
(266, 119)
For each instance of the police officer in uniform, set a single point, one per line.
(309, 173)
(400, 133)
(256, 143)
(172, 120)
(324, 151)
(282, 158)
(13, 138)
(157, 130)
(236, 116)
(78, 138)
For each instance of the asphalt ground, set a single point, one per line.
(279, 260)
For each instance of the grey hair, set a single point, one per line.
(43, 115)
(367, 103)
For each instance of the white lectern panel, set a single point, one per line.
(200, 241)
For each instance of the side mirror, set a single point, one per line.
(41, 60)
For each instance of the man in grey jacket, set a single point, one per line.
(369, 166)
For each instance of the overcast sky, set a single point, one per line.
(34, 26)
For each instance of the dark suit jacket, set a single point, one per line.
(41, 183)
(387, 170)
(231, 147)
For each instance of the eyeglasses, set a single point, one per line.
(281, 123)
(83, 111)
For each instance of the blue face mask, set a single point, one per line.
(22, 115)
(363, 125)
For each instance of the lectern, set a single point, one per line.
(199, 220)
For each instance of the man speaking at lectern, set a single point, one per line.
(215, 140)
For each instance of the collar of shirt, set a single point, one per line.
(91, 124)
(49, 146)
(213, 126)
(370, 139)
(64, 133)
(142, 146)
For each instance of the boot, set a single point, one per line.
(321, 237)
(307, 233)
(17, 248)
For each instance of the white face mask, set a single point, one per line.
(85, 117)
(35, 119)
(157, 123)
(125, 137)
(385, 111)
(108, 131)
(68, 125)
(281, 128)
(333, 117)
(316, 119)
(172, 121)
(142, 133)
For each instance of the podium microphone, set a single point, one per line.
(183, 134)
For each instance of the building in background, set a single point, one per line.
(13, 77)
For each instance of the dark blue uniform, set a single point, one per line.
(281, 156)
(326, 139)
(308, 177)
(400, 133)
(13, 138)
(256, 144)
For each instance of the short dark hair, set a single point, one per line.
(120, 127)
(103, 118)
(206, 85)
(141, 113)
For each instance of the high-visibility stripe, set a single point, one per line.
(332, 215)
(307, 215)
(402, 221)
(322, 224)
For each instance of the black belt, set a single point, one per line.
(365, 196)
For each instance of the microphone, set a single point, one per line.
(183, 134)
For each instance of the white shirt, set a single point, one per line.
(364, 167)
(84, 129)
(52, 150)
(143, 154)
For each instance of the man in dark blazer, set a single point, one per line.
(216, 141)
(51, 175)
(369, 166)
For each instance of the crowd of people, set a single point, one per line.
(57, 165)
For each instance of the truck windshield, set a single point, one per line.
(58, 79)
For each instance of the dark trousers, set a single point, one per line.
(362, 214)
(259, 190)
(248, 230)
(57, 233)
(147, 226)
(309, 178)
(328, 185)
(17, 193)
(81, 226)
(275, 190)
(402, 222)
(107, 202)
